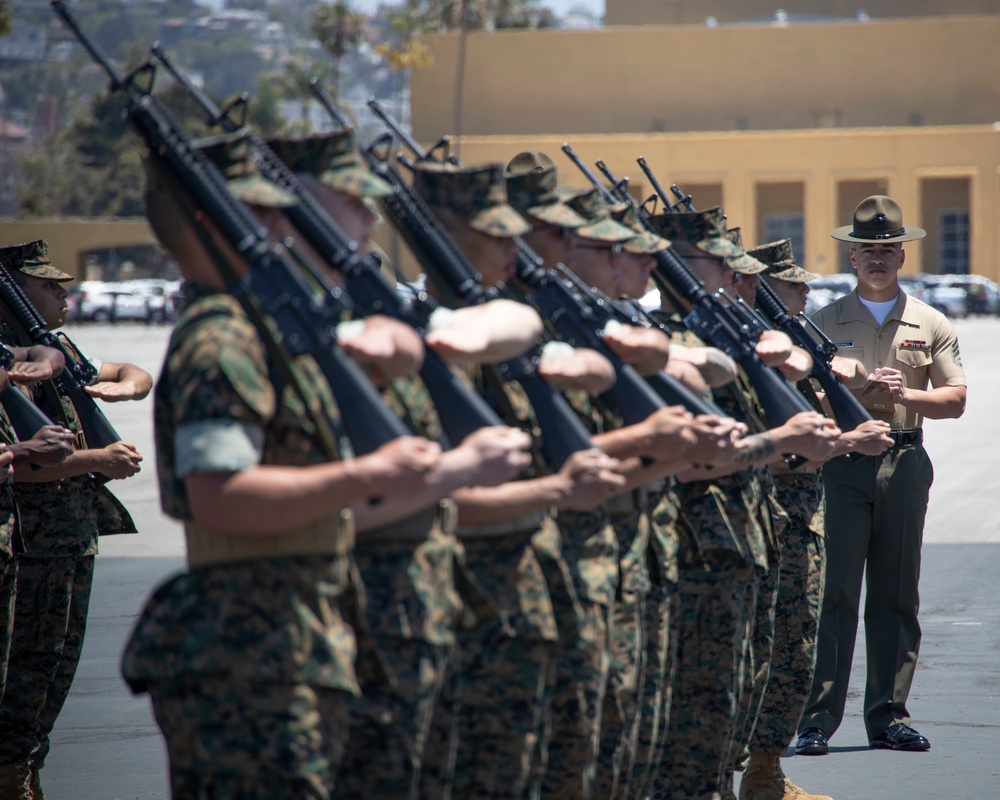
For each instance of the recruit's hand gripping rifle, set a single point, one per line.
(306, 321)
(76, 374)
(713, 322)
(25, 417)
(562, 431)
(573, 312)
(462, 410)
(847, 409)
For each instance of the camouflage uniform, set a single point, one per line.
(659, 643)
(262, 642)
(60, 525)
(797, 609)
(409, 567)
(785, 640)
(723, 547)
(498, 706)
(409, 570)
(10, 547)
(589, 556)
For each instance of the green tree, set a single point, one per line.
(4, 17)
(340, 31)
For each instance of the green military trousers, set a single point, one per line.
(874, 519)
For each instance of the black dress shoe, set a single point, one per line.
(900, 737)
(812, 742)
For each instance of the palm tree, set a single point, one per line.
(340, 30)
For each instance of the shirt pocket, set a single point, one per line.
(854, 351)
(913, 357)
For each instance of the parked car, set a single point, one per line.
(139, 300)
(961, 295)
(827, 288)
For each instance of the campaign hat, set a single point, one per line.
(878, 219)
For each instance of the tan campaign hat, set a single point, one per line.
(878, 219)
(333, 158)
(475, 194)
(230, 152)
(32, 258)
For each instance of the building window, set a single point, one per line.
(953, 241)
(787, 226)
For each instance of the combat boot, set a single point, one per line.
(14, 782)
(35, 783)
(764, 780)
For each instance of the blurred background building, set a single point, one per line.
(786, 117)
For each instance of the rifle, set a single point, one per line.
(847, 409)
(573, 312)
(462, 410)
(270, 285)
(441, 258)
(25, 417)
(713, 322)
(77, 373)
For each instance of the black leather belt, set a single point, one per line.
(905, 437)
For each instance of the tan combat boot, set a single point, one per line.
(14, 782)
(764, 780)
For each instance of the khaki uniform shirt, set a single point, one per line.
(914, 338)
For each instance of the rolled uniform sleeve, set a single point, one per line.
(217, 446)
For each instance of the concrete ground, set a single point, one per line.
(106, 745)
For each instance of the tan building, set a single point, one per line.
(688, 12)
(787, 126)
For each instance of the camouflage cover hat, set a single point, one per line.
(32, 258)
(780, 262)
(600, 226)
(878, 219)
(476, 194)
(745, 263)
(230, 152)
(332, 158)
(706, 230)
(533, 189)
(644, 242)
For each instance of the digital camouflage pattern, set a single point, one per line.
(706, 230)
(53, 596)
(711, 621)
(600, 226)
(780, 262)
(231, 153)
(503, 665)
(533, 189)
(659, 644)
(475, 194)
(59, 523)
(414, 609)
(32, 258)
(280, 624)
(277, 747)
(622, 701)
(332, 157)
(797, 610)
